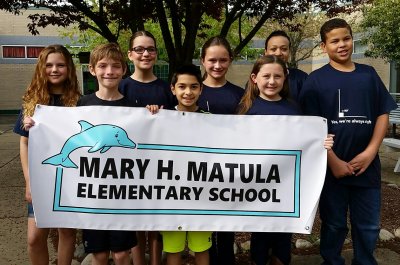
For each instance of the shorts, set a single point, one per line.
(280, 245)
(108, 240)
(175, 241)
(31, 213)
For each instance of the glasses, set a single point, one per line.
(140, 50)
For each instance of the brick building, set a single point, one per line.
(18, 56)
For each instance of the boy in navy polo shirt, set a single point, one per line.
(355, 102)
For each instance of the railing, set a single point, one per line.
(394, 115)
(396, 96)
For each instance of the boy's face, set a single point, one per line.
(338, 45)
(108, 72)
(187, 91)
(278, 46)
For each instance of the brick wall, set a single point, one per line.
(17, 25)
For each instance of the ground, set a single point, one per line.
(389, 220)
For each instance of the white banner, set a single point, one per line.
(122, 168)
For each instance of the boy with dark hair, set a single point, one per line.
(278, 43)
(355, 102)
(186, 85)
(107, 64)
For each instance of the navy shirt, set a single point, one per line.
(351, 102)
(220, 100)
(156, 92)
(55, 100)
(199, 110)
(261, 106)
(93, 100)
(296, 81)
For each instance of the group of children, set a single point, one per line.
(353, 174)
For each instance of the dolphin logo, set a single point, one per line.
(100, 137)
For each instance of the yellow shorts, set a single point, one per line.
(175, 241)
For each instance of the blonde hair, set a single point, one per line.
(252, 91)
(38, 92)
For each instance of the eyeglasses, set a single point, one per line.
(140, 50)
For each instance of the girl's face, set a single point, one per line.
(216, 62)
(56, 70)
(269, 80)
(143, 59)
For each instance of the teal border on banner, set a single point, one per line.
(295, 213)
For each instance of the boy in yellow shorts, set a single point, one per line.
(186, 85)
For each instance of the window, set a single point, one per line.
(13, 52)
(33, 52)
(21, 52)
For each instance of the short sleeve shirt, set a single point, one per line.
(220, 100)
(281, 107)
(55, 100)
(142, 94)
(351, 102)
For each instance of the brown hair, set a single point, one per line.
(108, 50)
(252, 91)
(138, 34)
(215, 41)
(38, 92)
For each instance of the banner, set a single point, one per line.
(123, 168)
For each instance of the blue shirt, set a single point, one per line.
(296, 81)
(93, 100)
(351, 102)
(156, 92)
(281, 107)
(55, 100)
(220, 100)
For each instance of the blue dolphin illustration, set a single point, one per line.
(100, 137)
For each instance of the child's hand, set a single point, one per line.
(28, 123)
(328, 143)
(361, 162)
(153, 108)
(28, 196)
(339, 167)
(342, 169)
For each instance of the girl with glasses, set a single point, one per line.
(144, 88)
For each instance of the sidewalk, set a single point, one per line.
(13, 208)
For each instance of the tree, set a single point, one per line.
(382, 33)
(303, 30)
(180, 21)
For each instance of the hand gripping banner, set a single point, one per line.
(123, 168)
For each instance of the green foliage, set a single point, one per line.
(88, 39)
(91, 39)
(303, 30)
(382, 32)
(183, 23)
